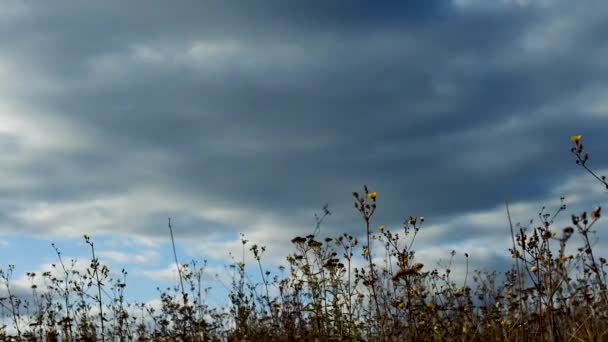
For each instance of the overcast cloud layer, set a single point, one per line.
(249, 116)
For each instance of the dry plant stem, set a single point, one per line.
(98, 284)
(11, 297)
(519, 276)
(319, 220)
(373, 277)
(348, 257)
(582, 163)
(179, 272)
(549, 285)
(66, 294)
(596, 269)
(265, 286)
(316, 297)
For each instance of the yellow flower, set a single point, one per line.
(381, 228)
(365, 253)
(372, 195)
(421, 323)
(401, 305)
(576, 139)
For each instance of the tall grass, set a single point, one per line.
(326, 294)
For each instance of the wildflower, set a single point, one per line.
(421, 323)
(576, 139)
(365, 253)
(401, 305)
(429, 305)
(372, 195)
(503, 322)
(381, 228)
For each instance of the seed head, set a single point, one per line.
(595, 214)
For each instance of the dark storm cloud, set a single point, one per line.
(280, 106)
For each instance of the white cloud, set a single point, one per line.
(211, 274)
(38, 131)
(168, 273)
(468, 4)
(13, 10)
(143, 257)
(116, 213)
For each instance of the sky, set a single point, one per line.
(248, 117)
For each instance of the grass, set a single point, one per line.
(326, 294)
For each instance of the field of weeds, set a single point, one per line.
(548, 294)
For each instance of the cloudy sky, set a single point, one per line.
(247, 117)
